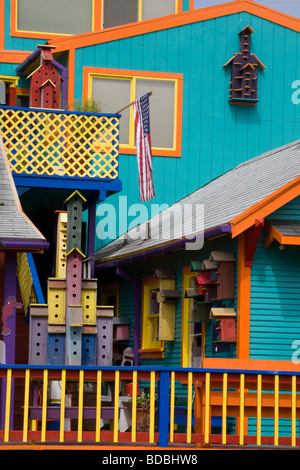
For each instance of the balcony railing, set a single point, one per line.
(186, 406)
(42, 142)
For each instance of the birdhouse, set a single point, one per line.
(45, 82)
(244, 72)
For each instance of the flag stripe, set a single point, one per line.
(143, 147)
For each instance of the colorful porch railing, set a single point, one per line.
(103, 405)
(60, 143)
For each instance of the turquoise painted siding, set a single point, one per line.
(275, 302)
(290, 211)
(216, 136)
(275, 295)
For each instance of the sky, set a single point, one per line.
(290, 7)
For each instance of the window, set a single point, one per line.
(55, 16)
(115, 91)
(119, 12)
(151, 345)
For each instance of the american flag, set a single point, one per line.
(143, 146)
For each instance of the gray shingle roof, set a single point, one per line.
(287, 227)
(223, 198)
(14, 224)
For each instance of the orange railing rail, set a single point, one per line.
(200, 406)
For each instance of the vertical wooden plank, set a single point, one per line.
(258, 426)
(293, 443)
(7, 405)
(152, 407)
(133, 415)
(276, 409)
(207, 405)
(62, 406)
(116, 405)
(80, 406)
(172, 406)
(242, 405)
(98, 406)
(224, 408)
(26, 404)
(44, 405)
(189, 408)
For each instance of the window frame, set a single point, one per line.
(149, 348)
(178, 9)
(95, 72)
(14, 31)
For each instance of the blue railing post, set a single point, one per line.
(163, 408)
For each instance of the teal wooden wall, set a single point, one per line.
(216, 136)
(275, 295)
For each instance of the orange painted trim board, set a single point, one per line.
(243, 302)
(14, 57)
(265, 207)
(179, 19)
(250, 364)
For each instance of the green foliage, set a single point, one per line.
(86, 105)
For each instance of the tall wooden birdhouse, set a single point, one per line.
(45, 82)
(74, 224)
(244, 72)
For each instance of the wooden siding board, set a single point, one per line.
(275, 295)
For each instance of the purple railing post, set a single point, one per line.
(9, 335)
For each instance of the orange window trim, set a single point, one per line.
(88, 72)
(14, 31)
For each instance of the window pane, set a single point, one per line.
(55, 16)
(114, 94)
(156, 8)
(161, 110)
(118, 12)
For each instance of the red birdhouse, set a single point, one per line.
(45, 82)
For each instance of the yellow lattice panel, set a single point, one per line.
(64, 144)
